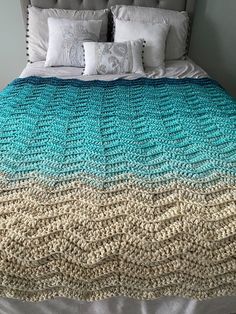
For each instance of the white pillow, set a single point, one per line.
(66, 38)
(153, 33)
(178, 21)
(113, 58)
(38, 27)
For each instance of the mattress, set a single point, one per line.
(120, 305)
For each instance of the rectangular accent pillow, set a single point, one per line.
(113, 58)
(38, 27)
(178, 21)
(153, 33)
(65, 47)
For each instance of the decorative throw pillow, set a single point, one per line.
(113, 58)
(38, 27)
(66, 39)
(153, 33)
(178, 21)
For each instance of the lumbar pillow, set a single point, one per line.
(113, 58)
(153, 33)
(66, 39)
(37, 32)
(178, 21)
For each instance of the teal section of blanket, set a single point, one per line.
(145, 128)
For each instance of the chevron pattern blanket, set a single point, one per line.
(117, 188)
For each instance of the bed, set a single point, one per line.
(109, 210)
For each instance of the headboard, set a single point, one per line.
(177, 5)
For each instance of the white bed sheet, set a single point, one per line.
(119, 305)
(173, 69)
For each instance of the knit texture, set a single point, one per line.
(117, 188)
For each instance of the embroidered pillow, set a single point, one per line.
(113, 58)
(37, 32)
(66, 37)
(153, 33)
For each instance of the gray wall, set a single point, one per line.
(12, 41)
(213, 41)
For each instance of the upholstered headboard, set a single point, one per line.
(178, 5)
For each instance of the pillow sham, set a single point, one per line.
(153, 33)
(113, 58)
(178, 21)
(65, 47)
(37, 32)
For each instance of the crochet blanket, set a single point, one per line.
(117, 188)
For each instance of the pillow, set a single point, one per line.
(66, 38)
(178, 21)
(153, 33)
(38, 27)
(113, 58)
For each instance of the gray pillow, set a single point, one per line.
(38, 27)
(178, 21)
